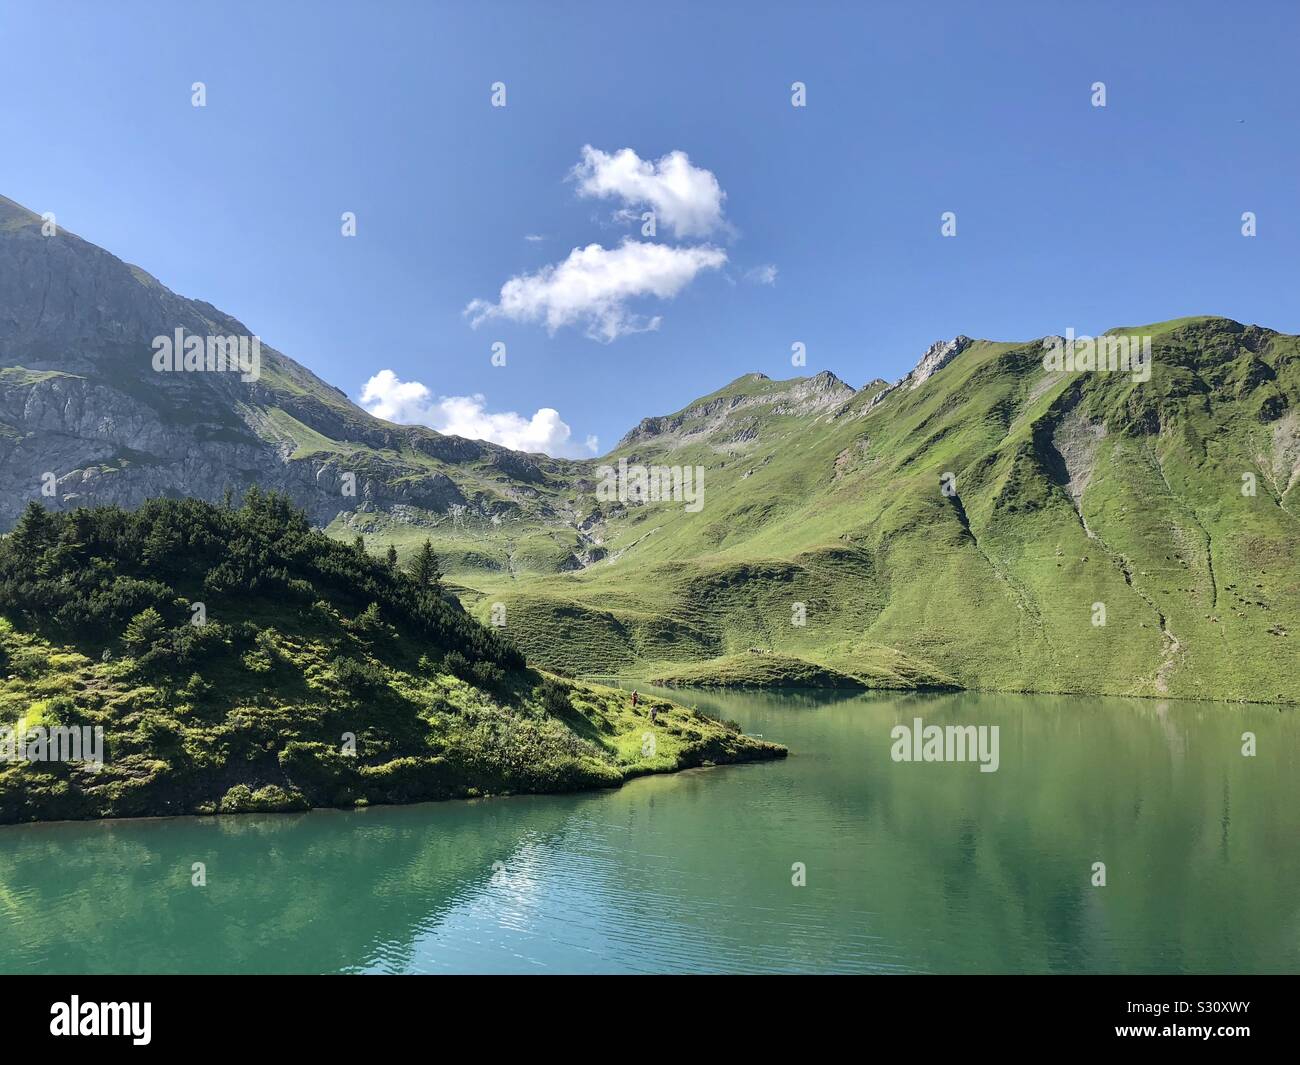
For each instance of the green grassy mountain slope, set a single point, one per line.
(1072, 489)
(824, 539)
(318, 676)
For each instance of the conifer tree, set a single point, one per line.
(33, 532)
(424, 568)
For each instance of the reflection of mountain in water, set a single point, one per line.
(910, 867)
(313, 892)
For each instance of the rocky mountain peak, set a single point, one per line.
(84, 409)
(936, 357)
(827, 382)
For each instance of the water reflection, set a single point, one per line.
(910, 867)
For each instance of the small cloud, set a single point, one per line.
(593, 285)
(386, 396)
(686, 199)
(761, 275)
(533, 238)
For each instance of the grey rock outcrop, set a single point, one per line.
(85, 418)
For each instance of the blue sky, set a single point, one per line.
(1068, 215)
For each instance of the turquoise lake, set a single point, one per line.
(909, 867)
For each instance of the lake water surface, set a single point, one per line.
(910, 868)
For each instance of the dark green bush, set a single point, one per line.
(359, 678)
(457, 665)
(85, 575)
(197, 645)
(488, 675)
(29, 664)
(555, 697)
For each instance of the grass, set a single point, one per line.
(755, 670)
(839, 508)
(229, 740)
(822, 503)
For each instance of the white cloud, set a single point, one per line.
(533, 238)
(593, 285)
(409, 402)
(387, 396)
(762, 275)
(686, 199)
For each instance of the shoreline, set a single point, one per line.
(847, 692)
(219, 818)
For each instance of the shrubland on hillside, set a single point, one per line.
(232, 659)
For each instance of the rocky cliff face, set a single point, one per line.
(735, 408)
(86, 418)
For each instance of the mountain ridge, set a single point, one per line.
(1070, 489)
(78, 398)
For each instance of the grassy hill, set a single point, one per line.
(1072, 489)
(237, 660)
(824, 542)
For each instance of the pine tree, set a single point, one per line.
(424, 568)
(369, 621)
(392, 557)
(33, 532)
(143, 629)
(359, 545)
